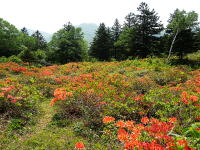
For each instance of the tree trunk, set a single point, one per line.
(170, 51)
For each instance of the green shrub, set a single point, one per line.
(143, 84)
(14, 59)
(169, 76)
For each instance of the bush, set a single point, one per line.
(82, 107)
(170, 76)
(14, 59)
(143, 84)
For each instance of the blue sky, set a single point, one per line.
(50, 15)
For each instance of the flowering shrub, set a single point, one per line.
(149, 134)
(80, 145)
(133, 92)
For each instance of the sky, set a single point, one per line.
(51, 15)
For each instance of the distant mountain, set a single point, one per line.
(89, 30)
(47, 36)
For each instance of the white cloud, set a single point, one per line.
(50, 15)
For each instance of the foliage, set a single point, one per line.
(40, 42)
(102, 44)
(67, 45)
(180, 22)
(139, 34)
(9, 39)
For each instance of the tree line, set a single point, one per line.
(141, 35)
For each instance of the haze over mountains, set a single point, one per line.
(88, 29)
(46, 35)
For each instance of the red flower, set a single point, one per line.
(80, 145)
(122, 135)
(154, 121)
(10, 97)
(182, 142)
(145, 120)
(14, 101)
(122, 131)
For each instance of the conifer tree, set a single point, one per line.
(24, 31)
(140, 31)
(115, 31)
(130, 20)
(148, 26)
(102, 43)
(40, 42)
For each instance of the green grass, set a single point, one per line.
(45, 135)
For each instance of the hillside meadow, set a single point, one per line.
(141, 104)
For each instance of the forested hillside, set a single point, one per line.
(141, 35)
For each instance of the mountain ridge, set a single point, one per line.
(88, 29)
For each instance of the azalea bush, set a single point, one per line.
(17, 101)
(149, 134)
(128, 91)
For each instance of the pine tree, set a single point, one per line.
(40, 42)
(130, 20)
(102, 43)
(24, 30)
(148, 25)
(115, 31)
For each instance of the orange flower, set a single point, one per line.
(53, 101)
(129, 123)
(194, 98)
(122, 135)
(121, 124)
(172, 120)
(108, 119)
(182, 142)
(70, 94)
(154, 121)
(80, 145)
(145, 120)
(122, 131)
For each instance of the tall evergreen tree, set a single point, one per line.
(141, 32)
(115, 31)
(40, 42)
(148, 26)
(130, 20)
(24, 30)
(102, 43)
